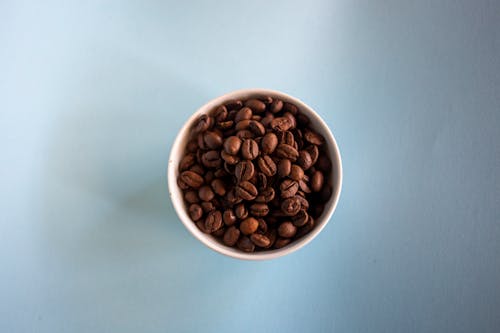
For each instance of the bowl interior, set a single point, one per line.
(176, 195)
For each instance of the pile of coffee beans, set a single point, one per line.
(255, 175)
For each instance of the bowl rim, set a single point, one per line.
(175, 192)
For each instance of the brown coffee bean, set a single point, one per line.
(218, 186)
(284, 167)
(207, 206)
(269, 143)
(281, 124)
(220, 113)
(211, 159)
(201, 225)
(304, 160)
(242, 125)
(195, 212)
(203, 123)
(220, 173)
(229, 217)
(246, 190)
(313, 152)
(249, 149)
(262, 226)
(191, 179)
(182, 185)
(220, 232)
(291, 117)
(243, 114)
(287, 230)
(256, 105)
(291, 206)
(209, 176)
(226, 126)
(212, 140)
(229, 168)
(257, 128)
(231, 236)
(260, 240)
(213, 221)
(303, 120)
(187, 161)
(313, 137)
(245, 134)
(317, 181)
(306, 228)
(244, 170)
(259, 209)
(205, 193)
(296, 173)
(233, 104)
(289, 107)
(232, 145)
(267, 120)
(300, 219)
(271, 235)
(281, 242)
(229, 159)
(198, 169)
(261, 181)
(191, 197)
(232, 198)
(326, 193)
(304, 186)
(266, 195)
(286, 138)
(249, 225)
(192, 146)
(287, 151)
(241, 211)
(266, 100)
(245, 244)
(267, 165)
(276, 106)
(303, 202)
(288, 188)
(324, 163)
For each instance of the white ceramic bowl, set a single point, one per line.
(177, 153)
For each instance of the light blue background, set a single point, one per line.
(93, 93)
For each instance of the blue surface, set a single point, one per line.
(92, 95)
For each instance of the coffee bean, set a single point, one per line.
(198, 169)
(304, 160)
(304, 186)
(260, 240)
(203, 123)
(220, 232)
(249, 149)
(187, 161)
(229, 168)
(281, 124)
(313, 152)
(284, 167)
(233, 104)
(191, 197)
(306, 228)
(266, 195)
(300, 219)
(289, 107)
(240, 211)
(257, 128)
(212, 140)
(267, 165)
(269, 143)
(291, 117)
(232, 145)
(209, 176)
(288, 188)
(218, 187)
(249, 225)
(231, 197)
(259, 209)
(205, 193)
(191, 179)
(231, 236)
(242, 124)
(220, 173)
(245, 134)
(276, 106)
(213, 221)
(317, 181)
(313, 137)
(229, 159)
(229, 217)
(262, 226)
(303, 202)
(245, 244)
(225, 126)
(287, 230)
(244, 171)
(201, 225)
(287, 138)
(211, 159)
(324, 163)
(266, 100)
(207, 206)
(195, 212)
(182, 185)
(220, 114)
(326, 193)
(291, 206)
(267, 120)
(192, 146)
(246, 190)
(256, 105)
(281, 242)
(296, 173)
(287, 151)
(261, 181)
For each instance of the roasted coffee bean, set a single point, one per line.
(276, 106)
(243, 114)
(205, 193)
(266, 100)
(213, 221)
(246, 190)
(324, 163)
(220, 114)
(313, 152)
(192, 146)
(303, 202)
(241, 211)
(231, 236)
(244, 170)
(287, 138)
(204, 123)
(313, 137)
(191, 197)
(267, 165)
(209, 176)
(232, 145)
(291, 206)
(245, 134)
(260, 240)
(198, 169)
(249, 225)
(211, 159)
(267, 120)
(201, 225)
(229, 159)
(187, 161)
(191, 179)
(218, 187)
(266, 195)
(220, 232)
(304, 186)
(291, 117)
(249, 149)
(256, 105)
(287, 230)
(269, 143)
(289, 107)
(326, 193)
(229, 217)
(261, 181)
(306, 228)
(259, 209)
(262, 225)
(303, 120)
(281, 242)
(229, 168)
(213, 140)
(233, 104)
(284, 167)
(245, 244)
(242, 125)
(182, 185)
(231, 197)
(225, 126)
(271, 235)
(287, 151)
(195, 212)
(296, 173)
(300, 219)
(281, 124)
(317, 181)
(220, 173)
(207, 206)
(257, 128)
(288, 188)
(304, 160)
